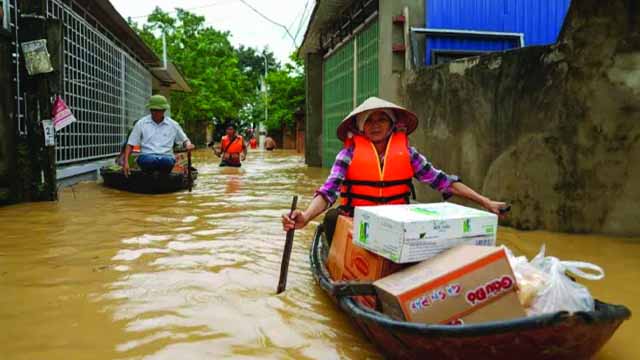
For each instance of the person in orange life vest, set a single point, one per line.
(232, 148)
(253, 142)
(377, 164)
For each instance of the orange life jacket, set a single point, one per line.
(367, 184)
(233, 148)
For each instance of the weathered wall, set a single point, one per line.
(27, 167)
(288, 137)
(392, 65)
(35, 164)
(313, 109)
(7, 120)
(553, 130)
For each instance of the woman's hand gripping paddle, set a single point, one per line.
(286, 255)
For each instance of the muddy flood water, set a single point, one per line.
(104, 274)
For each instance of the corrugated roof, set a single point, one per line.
(324, 14)
(111, 19)
(171, 77)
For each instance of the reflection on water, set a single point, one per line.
(105, 274)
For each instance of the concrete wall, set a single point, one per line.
(27, 167)
(392, 65)
(553, 130)
(288, 138)
(313, 112)
(7, 120)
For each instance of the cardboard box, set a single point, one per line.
(412, 233)
(466, 284)
(348, 261)
(180, 166)
(181, 163)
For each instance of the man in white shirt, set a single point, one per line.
(156, 134)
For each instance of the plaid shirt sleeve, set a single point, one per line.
(424, 172)
(331, 188)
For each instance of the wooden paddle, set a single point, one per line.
(189, 178)
(286, 255)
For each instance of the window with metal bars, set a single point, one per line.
(105, 87)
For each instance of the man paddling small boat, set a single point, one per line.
(155, 135)
(158, 169)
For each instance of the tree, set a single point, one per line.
(226, 82)
(251, 63)
(285, 94)
(209, 63)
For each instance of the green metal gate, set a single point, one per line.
(367, 84)
(350, 75)
(337, 99)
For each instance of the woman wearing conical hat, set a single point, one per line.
(377, 165)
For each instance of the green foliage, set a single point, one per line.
(226, 82)
(285, 95)
(251, 63)
(209, 64)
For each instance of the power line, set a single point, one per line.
(295, 18)
(286, 29)
(271, 21)
(304, 14)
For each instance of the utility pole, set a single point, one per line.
(261, 126)
(266, 95)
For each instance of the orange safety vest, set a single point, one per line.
(367, 184)
(234, 148)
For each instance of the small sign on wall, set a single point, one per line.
(36, 57)
(49, 133)
(61, 113)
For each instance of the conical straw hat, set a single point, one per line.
(404, 116)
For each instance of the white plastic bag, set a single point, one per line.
(531, 281)
(560, 293)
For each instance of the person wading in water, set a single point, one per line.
(377, 165)
(269, 143)
(232, 148)
(253, 142)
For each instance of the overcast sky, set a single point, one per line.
(246, 27)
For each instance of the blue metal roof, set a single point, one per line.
(539, 20)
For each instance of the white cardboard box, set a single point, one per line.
(410, 233)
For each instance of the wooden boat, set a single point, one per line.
(551, 336)
(146, 183)
(152, 183)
